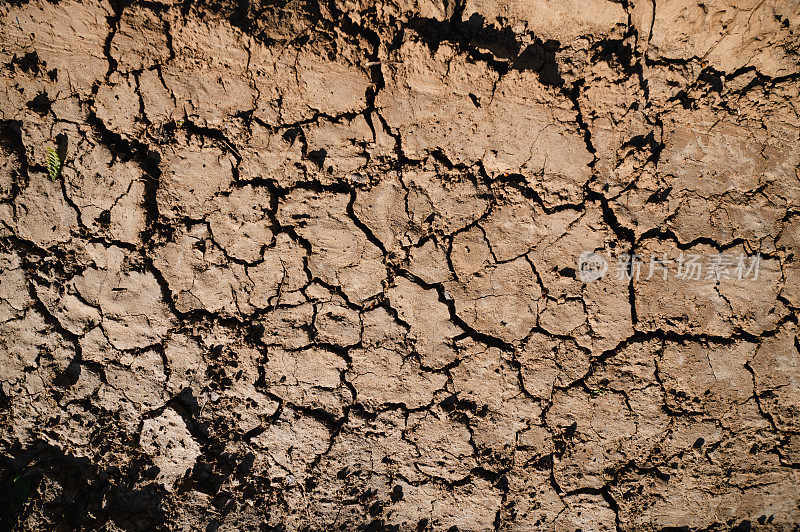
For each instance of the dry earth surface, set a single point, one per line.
(311, 265)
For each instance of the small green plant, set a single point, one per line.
(55, 157)
(22, 488)
(54, 163)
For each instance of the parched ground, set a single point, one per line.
(313, 265)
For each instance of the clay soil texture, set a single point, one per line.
(412, 265)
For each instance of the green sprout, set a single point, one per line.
(21, 487)
(54, 163)
(55, 157)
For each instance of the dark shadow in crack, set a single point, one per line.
(72, 493)
(498, 47)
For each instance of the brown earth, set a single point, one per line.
(312, 265)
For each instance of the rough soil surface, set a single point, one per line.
(312, 265)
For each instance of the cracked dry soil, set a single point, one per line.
(311, 265)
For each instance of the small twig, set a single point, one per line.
(376, 63)
(280, 288)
